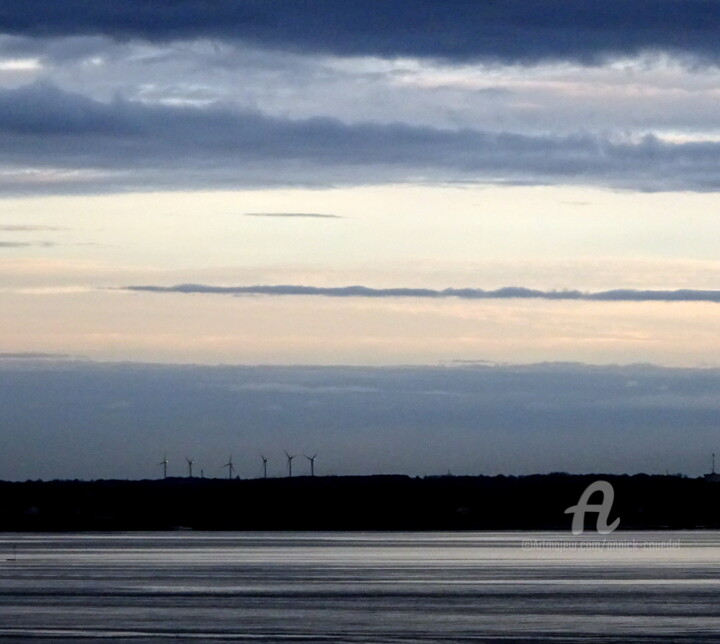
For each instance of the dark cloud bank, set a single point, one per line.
(511, 292)
(77, 419)
(129, 145)
(495, 30)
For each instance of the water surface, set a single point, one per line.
(360, 587)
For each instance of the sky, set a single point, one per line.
(284, 183)
(76, 419)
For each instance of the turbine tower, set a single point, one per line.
(265, 459)
(190, 464)
(312, 463)
(230, 467)
(164, 463)
(289, 463)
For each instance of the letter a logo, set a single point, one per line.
(603, 509)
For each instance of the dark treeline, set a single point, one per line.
(354, 503)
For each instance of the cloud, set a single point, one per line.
(511, 292)
(69, 419)
(39, 244)
(29, 355)
(524, 32)
(287, 388)
(649, 93)
(308, 215)
(27, 228)
(64, 142)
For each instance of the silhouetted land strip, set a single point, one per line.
(353, 503)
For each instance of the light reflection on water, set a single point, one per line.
(360, 587)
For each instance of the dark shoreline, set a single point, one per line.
(384, 502)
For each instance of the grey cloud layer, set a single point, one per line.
(512, 292)
(74, 419)
(504, 30)
(438, 94)
(130, 145)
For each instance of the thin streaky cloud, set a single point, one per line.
(32, 355)
(292, 215)
(510, 292)
(14, 244)
(11, 228)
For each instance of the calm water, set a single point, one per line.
(360, 587)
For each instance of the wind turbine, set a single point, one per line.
(190, 464)
(312, 463)
(230, 467)
(164, 463)
(265, 459)
(289, 460)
